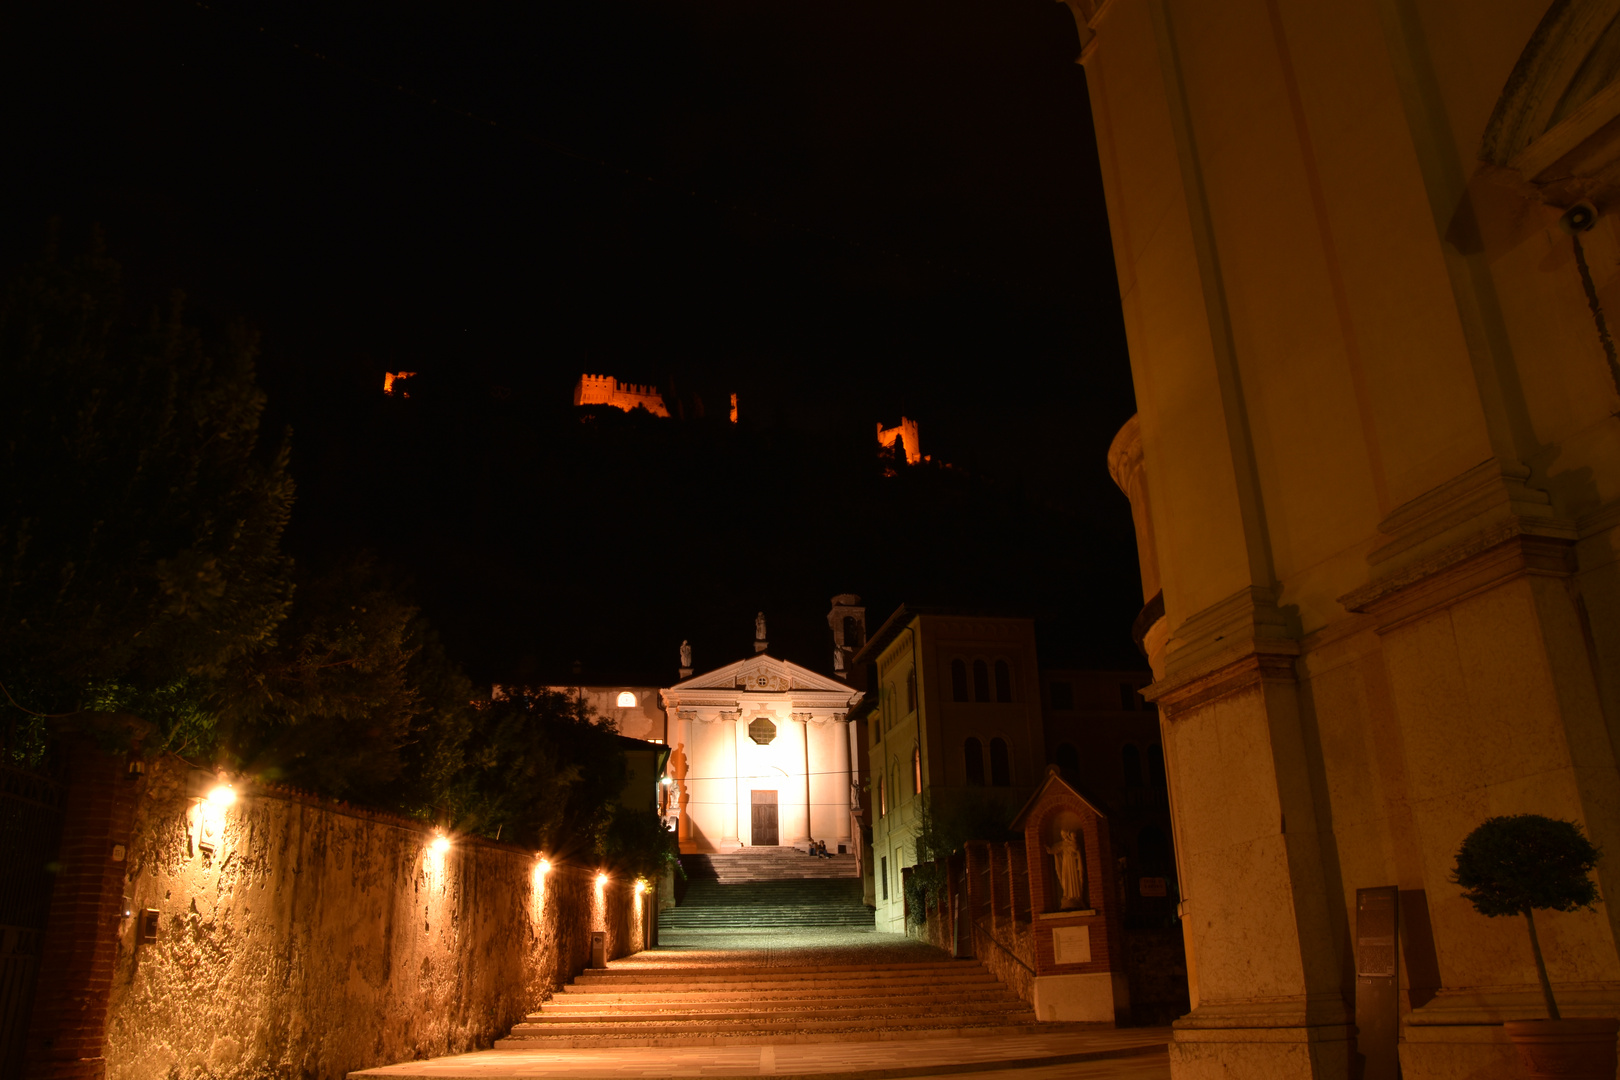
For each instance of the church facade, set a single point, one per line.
(763, 753)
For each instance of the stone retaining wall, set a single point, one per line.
(319, 938)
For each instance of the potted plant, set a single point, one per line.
(1518, 865)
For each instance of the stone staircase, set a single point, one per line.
(756, 864)
(683, 1005)
(766, 905)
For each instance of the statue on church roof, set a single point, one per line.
(686, 654)
(759, 627)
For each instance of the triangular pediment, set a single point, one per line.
(1054, 779)
(764, 673)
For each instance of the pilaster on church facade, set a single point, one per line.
(765, 757)
(1375, 478)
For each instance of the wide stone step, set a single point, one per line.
(648, 991)
(832, 982)
(682, 1036)
(773, 1022)
(917, 967)
(767, 864)
(652, 1012)
(722, 1000)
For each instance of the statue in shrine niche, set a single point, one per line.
(1071, 869)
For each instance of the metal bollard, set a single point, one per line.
(598, 948)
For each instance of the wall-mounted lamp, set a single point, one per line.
(641, 886)
(222, 796)
(668, 781)
(601, 879)
(545, 866)
(440, 845)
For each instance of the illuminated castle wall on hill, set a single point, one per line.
(906, 434)
(606, 390)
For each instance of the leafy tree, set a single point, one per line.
(1523, 862)
(538, 770)
(636, 843)
(140, 516)
(944, 827)
(331, 705)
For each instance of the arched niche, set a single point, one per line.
(1557, 123)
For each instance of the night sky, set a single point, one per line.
(842, 211)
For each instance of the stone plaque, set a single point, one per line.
(1152, 886)
(1071, 945)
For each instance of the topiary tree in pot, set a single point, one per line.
(1520, 864)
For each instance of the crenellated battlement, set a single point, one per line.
(607, 390)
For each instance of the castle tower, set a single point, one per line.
(907, 435)
(847, 620)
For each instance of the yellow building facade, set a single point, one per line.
(1376, 480)
(957, 714)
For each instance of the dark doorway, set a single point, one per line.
(764, 827)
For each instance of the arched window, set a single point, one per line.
(911, 691)
(958, 681)
(916, 770)
(1153, 852)
(1000, 767)
(1155, 765)
(973, 752)
(1003, 681)
(981, 681)
(1067, 759)
(627, 700)
(1133, 765)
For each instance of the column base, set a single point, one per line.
(1264, 1040)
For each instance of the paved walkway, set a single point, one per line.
(1127, 1054)
(1134, 1052)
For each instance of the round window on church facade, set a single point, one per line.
(762, 731)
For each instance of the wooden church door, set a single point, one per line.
(764, 819)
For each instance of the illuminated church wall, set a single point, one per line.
(808, 762)
(1376, 475)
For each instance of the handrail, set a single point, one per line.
(1015, 957)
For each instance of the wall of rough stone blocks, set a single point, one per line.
(320, 938)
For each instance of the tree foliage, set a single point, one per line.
(944, 827)
(537, 769)
(140, 515)
(635, 843)
(1523, 862)
(141, 574)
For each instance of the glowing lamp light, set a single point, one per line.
(222, 796)
(440, 845)
(601, 879)
(545, 866)
(641, 887)
(627, 700)
(668, 781)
